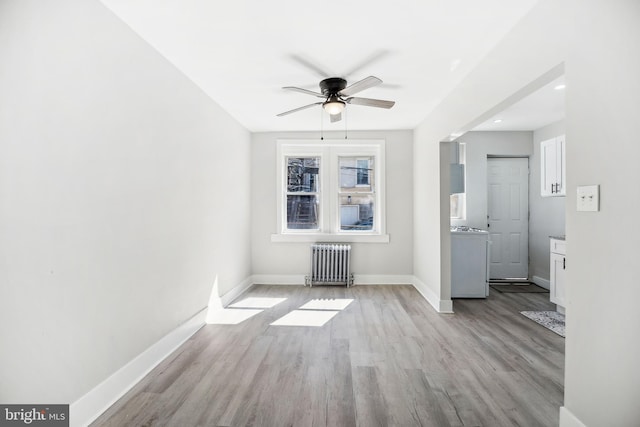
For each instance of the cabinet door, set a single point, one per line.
(552, 167)
(548, 168)
(560, 168)
(557, 282)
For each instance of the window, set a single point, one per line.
(302, 193)
(457, 201)
(331, 191)
(356, 193)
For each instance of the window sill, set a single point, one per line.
(325, 237)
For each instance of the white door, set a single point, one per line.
(508, 217)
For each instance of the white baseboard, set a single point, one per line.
(358, 279)
(278, 279)
(237, 290)
(90, 406)
(441, 306)
(446, 306)
(567, 419)
(543, 283)
(382, 279)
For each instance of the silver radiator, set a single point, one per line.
(330, 265)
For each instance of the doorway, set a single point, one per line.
(508, 217)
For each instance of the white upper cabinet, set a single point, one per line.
(552, 169)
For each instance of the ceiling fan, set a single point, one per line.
(337, 94)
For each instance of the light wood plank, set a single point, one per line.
(387, 359)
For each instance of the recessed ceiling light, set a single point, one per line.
(497, 121)
(560, 87)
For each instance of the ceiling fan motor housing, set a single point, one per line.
(332, 86)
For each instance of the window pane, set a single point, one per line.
(302, 212)
(356, 211)
(302, 174)
(362, 173)
(356, 174)
(457, 202)
(454, 206)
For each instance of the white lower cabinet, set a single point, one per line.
(558, 263)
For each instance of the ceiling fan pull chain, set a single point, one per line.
(345, 123)
(321, 125)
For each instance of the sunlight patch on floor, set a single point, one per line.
(305, 318)
(327, 304)
(257, 302)
(230, 316)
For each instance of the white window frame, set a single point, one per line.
(329, 151)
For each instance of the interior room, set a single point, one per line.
(514, 135)
(252, 213)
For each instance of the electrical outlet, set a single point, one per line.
(588, 198)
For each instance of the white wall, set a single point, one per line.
(547, 214)
(374, 259)
(602, 379)
(116, 214)
(597, 42)
(432, 242)
(479, 145)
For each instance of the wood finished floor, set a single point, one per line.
(387, 359)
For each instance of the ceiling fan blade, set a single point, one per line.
(311, 65)
(336, 117)
(363, 84)
(374, 57)
(298, 109)
(308, 92)
(380, 103)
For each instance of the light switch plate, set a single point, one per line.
(588, 198)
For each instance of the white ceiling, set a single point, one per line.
(241, 53)
(542, 107)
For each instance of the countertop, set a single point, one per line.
(464, 230)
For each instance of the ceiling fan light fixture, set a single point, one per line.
(333, 106)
